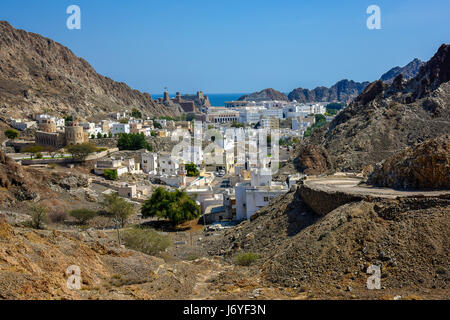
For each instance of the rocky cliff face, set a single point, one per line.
(313, 160)
(386, 119)
(265, 95)
(409, 71)
(425, 166)
(343, 91)
(38, 74)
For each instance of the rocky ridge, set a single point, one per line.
(386, 119)
(38, 74)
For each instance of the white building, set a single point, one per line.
(166, 166)
(257, 193)
(22, 124)
(118, 128)
(110, 164)
(149, 162)
(60, 122)
(88, 127)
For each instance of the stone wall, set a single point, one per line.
(323, 202)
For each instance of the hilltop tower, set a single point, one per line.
(48, 126)
(74, 134)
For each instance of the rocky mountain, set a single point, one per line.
(343, 91)
(329, 254)
(386, 119)
(424, 166)
(409, 71)
(38, 74)
(265, 95)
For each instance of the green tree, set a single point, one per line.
(33, 150)
(110, 174)
(191, 170)
(68, 120)
(83, 215)
(99, 135)
(135, 113)
(132, 141)
(190, 116)
(123, 121)
(52, 151)
(11, 134)
(118, 210)
(157, 125)
(176, 206)
(81, 151)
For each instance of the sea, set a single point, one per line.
(216, 99)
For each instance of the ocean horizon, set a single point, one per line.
(216, 99)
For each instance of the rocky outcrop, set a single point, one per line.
(408, 72)
(343, 91)
(425, 166)
(38, 74)
(313, 160)
(16, 182)
(386, 119)
(265, 95)
(329, 249)
(323, 202)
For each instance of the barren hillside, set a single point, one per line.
(38, 74)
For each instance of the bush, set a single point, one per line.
(11, 134)
(38, 216)
(83, 215)
(136, 113)
(58, 216)
(191, 170)
(246, 259)
(110, 174)
(146, 241)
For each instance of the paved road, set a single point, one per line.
(352, 186)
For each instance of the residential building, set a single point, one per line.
(119, 128)
(257, 193)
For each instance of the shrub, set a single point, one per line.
(38, 216)
(11, 134)
(110, 174)
(146, 241)
(136, 113)
(246, 259)
(57, 217)
(83, 215)
(191, 170)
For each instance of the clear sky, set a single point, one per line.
(238, 45)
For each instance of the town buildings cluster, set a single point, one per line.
(245, 176)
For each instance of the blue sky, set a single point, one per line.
(238, 45)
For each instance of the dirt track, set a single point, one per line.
(353, 186)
